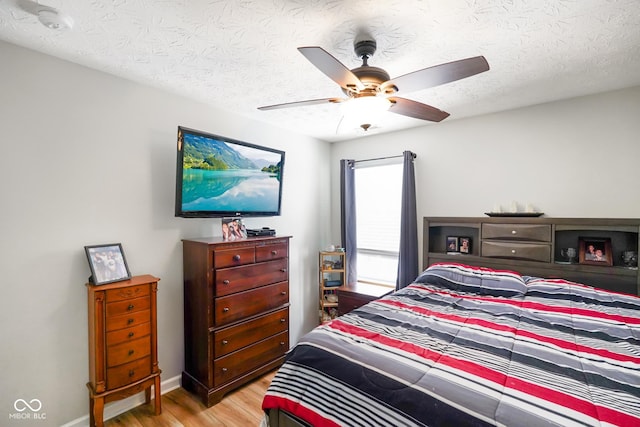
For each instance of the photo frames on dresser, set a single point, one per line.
(233, 229)
(107, 263)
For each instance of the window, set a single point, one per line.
(378, 190)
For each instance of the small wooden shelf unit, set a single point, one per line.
(332, 275)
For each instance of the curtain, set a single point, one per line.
(408, 253)
(348, 216)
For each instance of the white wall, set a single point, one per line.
(88, 158)
(574, 158)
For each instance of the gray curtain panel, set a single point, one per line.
(348, 214)
(408, 255)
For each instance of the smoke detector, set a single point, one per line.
(53, 19)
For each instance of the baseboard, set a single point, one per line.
(116, 408)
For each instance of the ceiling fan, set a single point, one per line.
(371, 85)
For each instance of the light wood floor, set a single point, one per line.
(240, 408)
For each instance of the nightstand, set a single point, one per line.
(355, 295)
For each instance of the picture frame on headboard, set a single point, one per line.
(107, 263)
(464, 244)
(452, 244)
(595, 251)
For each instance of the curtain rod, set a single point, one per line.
(383, 158)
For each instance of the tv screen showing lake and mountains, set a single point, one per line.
(224, 176)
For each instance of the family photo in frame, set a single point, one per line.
(233, 229)
(107, 263)
(459, 244)
(595, 251)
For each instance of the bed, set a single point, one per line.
(468, 346)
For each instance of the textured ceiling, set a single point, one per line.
(239, 55)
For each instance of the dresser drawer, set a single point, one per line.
(235, 256)
(236, 337)
(113, 295)
(534, 232)
(128, 306)
(240, 362)
(128, 334)
(128, 351)
(514, 250)
(236, 279)
(249, 303)
(128, 320)
(128, 373)
(272, 251)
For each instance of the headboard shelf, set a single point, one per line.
(537, 247)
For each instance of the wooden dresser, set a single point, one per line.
(236, 312)
(123, 356)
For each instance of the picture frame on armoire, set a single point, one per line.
(107, 263)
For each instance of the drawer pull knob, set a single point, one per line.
(224, 369)
(130, 352)
(132, 373)
(283, 320)
(225, 342)
(513, 251)
(274, 252)
(131, 334)
(226, 282)
(236, 257)
(281, 342)
(284, 270)
(283, 293)
(130, 321)
(226, 309)
(130, 307)
(514, 232)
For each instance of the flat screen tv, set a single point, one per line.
(222, 177)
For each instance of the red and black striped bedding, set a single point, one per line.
(469, 346)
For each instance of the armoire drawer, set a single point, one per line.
(128, 306)
(236, 279)
(127, 320)
(235, 364)
(234, 338)
(525, 251)
(128, 373)
(249, 303)
(128, 351)
(113, 295)
(533, 232)
(128, 334)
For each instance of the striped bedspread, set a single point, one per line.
(468, 346)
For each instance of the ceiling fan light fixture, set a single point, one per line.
(365, 107)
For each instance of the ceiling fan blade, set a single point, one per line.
(301, 103)
(333, 68)
(438, 74)
(417, 110)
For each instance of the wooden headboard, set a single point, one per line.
(536, 246)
